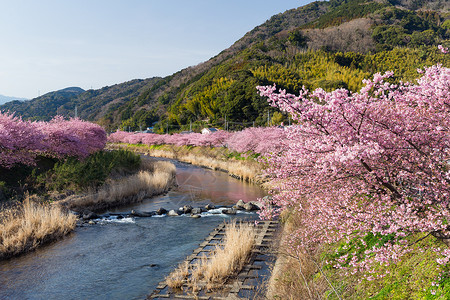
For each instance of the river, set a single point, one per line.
(125, 259)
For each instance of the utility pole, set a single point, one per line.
(167, 129)
(268, 118)
(190, 126)
(76, 112)
(226, 125)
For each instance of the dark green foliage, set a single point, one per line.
(349, 59)
(343, 11)
(21, 178)
(297, 38)
(408, 28)
(89, 173)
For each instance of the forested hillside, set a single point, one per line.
(323, 44)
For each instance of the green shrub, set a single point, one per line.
(416, 276)
(91, 172)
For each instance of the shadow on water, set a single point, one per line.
(125, 259)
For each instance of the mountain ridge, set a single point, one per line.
(223, 87)
(5, 99)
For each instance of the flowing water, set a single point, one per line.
(125, 259)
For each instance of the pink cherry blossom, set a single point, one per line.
(374, 162)
(21, 141)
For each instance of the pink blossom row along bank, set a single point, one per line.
(21, 141)
(369, 163)
(262, 140)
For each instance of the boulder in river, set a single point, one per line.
(249, 206)
(141, 214)
(89, 215)
(161, 211)
(196, 211)
(195, 216)
(210, 206)
(187, 209)
(172, 213)
(229, 211)
(240, 204)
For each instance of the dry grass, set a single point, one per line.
(176, 279)
(29, 225)
(158, 177)
(231, 257)
(213, 158)
(294, 276)
(224, 262)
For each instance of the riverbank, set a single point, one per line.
(153, 178)
(39, 220)
(219, 159)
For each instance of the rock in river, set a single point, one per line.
(141, 214)
(161, 211)
(240, 204)
(89, 215)
(210, 206)
(187, 209)
(250, 206)
(196, 211)
(172, 213)
(229, 211)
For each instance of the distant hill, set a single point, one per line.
(45, 106)
(328, 44)
(4, 99)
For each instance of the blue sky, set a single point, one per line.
(48, 45)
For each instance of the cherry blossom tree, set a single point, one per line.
(374, 162)
(262, 140)
(21, 141)
(72, 137)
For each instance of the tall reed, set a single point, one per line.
(30, 224)
(228, 259)
(225, 261)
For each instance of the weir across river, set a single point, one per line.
(249, 282)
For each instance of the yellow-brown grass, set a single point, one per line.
(294, 276)
(155, 180)
(239, 240)
(224, 262)
(213, 158)
(176, 279)
(31, 224)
